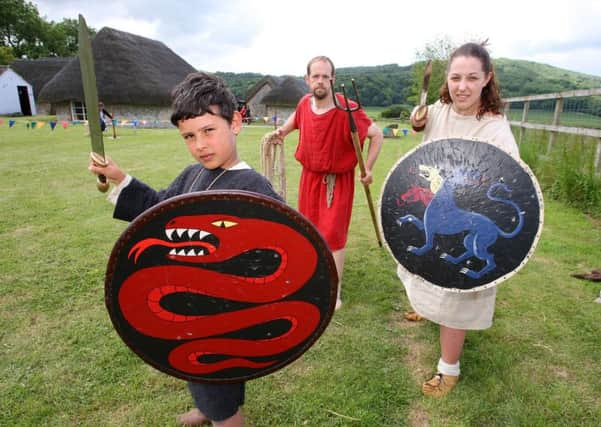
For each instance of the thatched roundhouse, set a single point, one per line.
(281, 101)
(38, 72)
(254, 97)
(134, 75)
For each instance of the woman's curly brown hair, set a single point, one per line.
(490, 99)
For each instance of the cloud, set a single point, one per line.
(275, 37)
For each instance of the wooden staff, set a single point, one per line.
(357, 145)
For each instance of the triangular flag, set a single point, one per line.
(11, 123)
(52, 124)
(39, 125)
(64, 124)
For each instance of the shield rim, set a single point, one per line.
(499, 279)
(199, 196)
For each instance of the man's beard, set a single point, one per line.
(320, 93)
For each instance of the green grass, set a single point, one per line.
(62, 363)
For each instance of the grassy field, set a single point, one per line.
(62, 363)
(567, 118)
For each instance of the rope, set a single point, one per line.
(272, 163)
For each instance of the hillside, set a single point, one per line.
(519, 78)
(384, 85)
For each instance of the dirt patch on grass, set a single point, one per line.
(416, 348)
(415, 360)
(418, 417)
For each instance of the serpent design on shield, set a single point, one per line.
(461, 214)
(220, 287)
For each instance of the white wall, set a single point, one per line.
(9, 96)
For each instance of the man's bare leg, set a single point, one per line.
(339, 261)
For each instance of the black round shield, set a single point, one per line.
(461, 214)
(220, 286)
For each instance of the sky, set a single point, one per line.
(279, 37)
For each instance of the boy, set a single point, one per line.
(204, 111)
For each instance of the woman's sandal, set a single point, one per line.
(439, 385)
(412, 316)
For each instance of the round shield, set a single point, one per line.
(220, 286)
(461, 214)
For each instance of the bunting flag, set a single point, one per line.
(28, 125)
(64, 124)
(52, 124)
(11, 123)
(405, 130)
(1, 122)
(395, 132)
(39, 125)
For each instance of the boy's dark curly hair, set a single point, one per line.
(197, 93)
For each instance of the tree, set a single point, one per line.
(25, 33)
(6, 55)
(61, 37)
(21, 27)
(438, 51)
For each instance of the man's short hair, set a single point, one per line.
(318, 59)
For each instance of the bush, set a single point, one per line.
(568, 173)
(397, 112)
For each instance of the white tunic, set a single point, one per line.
(467, 310)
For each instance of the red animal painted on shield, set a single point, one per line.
(415, 194)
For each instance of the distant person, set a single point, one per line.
(469, 107)
(327, 156)
(204, 111)
(103, 116)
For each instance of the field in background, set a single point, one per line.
(62, 363)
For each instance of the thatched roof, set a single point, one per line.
(40, 71)
(287, 94)
(270, 81)
(129, 69)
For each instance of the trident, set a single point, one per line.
(357, 145)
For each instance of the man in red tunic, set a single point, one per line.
(326, 153)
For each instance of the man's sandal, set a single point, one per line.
(412, 316)
(439, 385)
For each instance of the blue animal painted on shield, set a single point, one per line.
(443, 217)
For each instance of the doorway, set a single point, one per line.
(24, 100)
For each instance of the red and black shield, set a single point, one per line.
(461, 214)
(220, 286)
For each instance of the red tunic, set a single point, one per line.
(325, 146)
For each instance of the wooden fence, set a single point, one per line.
(555, 127)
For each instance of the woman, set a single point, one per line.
(469, 108)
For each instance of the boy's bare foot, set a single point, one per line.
(193, 418)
